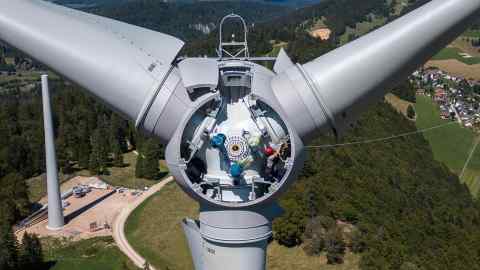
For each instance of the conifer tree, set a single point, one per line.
(18, 158)
(8, 247)
(31, 256)
(148, 157)
(84, 145)
(139, 169)
(14, 194)
(99, 155)
(37, 152)
(335, 246)
(117, 155)
(150, 165)
(95, 161)
(117, 133)
(84, 155)
(63, 155)
(93, 164)
(410, 112)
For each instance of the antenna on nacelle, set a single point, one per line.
(228, 50)
(233, 49)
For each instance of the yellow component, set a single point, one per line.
(246, 162)
(254, 141)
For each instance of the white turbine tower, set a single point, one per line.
(235, 130)
(55, 209)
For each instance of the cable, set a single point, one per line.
(379, 139)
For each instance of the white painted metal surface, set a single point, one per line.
(55, 209)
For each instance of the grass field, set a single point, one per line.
(454, 53)
(92, 254)
(451, 144)
(37, 187)
(154, 231)
(23, 79)
(154, 228)
(124, 177)
(472, 33)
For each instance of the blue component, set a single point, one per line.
(236, 170)
(218, 140)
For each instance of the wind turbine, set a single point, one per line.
(235, 130)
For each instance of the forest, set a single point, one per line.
(184, 20)
(406, 210)
(88, 136)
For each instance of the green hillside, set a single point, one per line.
(179, 19)
(154, 230)
(409, 209)
(451, 144)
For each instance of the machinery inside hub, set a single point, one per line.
(236, 147)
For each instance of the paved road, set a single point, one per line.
(119, 224)
(459, 120)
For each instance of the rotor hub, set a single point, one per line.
(237, 148)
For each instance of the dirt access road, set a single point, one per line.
(120, 220)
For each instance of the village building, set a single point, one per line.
(421, 92)
(440, 96)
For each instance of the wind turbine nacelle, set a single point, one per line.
(235, 130)
(232, 146)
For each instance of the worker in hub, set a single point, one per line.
(272, 159)
(235, 169)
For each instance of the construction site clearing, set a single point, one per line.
(89, 206)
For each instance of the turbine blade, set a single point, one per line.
(122, 64)
(331, 91)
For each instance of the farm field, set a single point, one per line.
(399, 104)
(154, 231)
(456, 68)
(464, 44)
(454, 53)
(451, 144)
(92, 254)
(472, 33)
